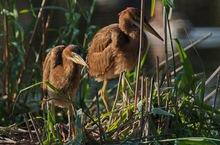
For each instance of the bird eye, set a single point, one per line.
(76, 49)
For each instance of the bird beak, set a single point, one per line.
(147, 28)
(78, 59)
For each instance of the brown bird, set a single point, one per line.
(62, 68)
(114, 49)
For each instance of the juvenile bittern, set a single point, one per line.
(114, 49)
(62, 68)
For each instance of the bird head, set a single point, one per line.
(133, 15)
(73, 52)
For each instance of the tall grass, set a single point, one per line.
(170, 106)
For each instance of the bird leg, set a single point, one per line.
(71, 127)
(104, 95)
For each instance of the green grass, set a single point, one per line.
(171, 114)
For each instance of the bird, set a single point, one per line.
(114, 48)
(62, 68)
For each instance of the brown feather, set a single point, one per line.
(62, 68)
(62, 73)
(53, 58)
(114, 48)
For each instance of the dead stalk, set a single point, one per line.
(212, 76)
(21, 75)
(116, 98)
(166, 64)
(35, 128)
(188, 47)
(207, 97)
(149, 104)
(139, 55)
(28, 127)
(215, 99)
(7, 56)
(158, 81)
(146, 94)
(142, 120)
(166, 51)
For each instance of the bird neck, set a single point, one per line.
(68, 64)
(127, 26)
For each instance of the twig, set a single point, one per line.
(118, 128)
(146, 94)
(21, 75)
(45, 28)
(124, 93)
(7, 141)
(142, 107)
(158, 81)
(166, 65)
(158, 87)
(7, 56)
(37, 22)
(28, 127)
(41, 52)
(216, 94)
(35, 128)
(151, 94)
(166, 49)
(212, 76)
(116, 98)
(207, 97)
(214, 103)
(177, 70)
(139, 55)
(149, 107)
(188, 47)
(146, 108)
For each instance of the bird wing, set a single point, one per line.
(103, 49)
(56, 56)
(53, 58)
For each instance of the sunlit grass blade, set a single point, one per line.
(188, 141)
(185, 61)
(169, 3)
(198, 140)
(188, 76)
(152, 7)
(176, 86)
(160, 111)
(51, 135)
(65, 98)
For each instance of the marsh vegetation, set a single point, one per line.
(169, 106)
